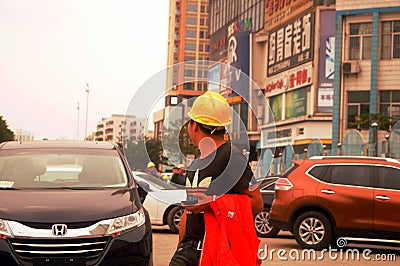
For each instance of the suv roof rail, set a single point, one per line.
(354, 157)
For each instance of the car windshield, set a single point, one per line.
(156, 181)
(61, 169)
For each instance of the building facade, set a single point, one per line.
(188, 40)
(120, 129)
(188, 46)
(300, 74)
(367, 70)
(233, 33)
(23, 135)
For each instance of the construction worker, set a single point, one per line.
(178, 179)
(221, 167)
(151, 169)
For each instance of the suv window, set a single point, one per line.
(355, 175)
(388, 177)
(320, 172)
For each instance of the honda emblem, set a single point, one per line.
(59, 229)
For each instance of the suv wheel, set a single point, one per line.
(313, 230)
(174, 218)
(263, 226)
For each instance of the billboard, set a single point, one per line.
(239, 58)
(279, 11)
(214, 78)
(296, 103)
(291, 44)
(326, 62)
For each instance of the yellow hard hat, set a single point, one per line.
(150, 164)
(211, 109)
(181, 166)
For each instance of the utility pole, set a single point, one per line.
(77, 123)
(87, 109)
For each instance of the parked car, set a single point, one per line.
(261, 220)
(163, 201)
(70, 203)
(323, 198)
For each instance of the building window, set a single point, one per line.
(390, 46)
(189, 58)
(190, 46)
(390, 104)
(189, 72)
(360, 41)
(202, 22)
(191, 8)
(188, 86)
(191, 21)
(358, 104)
(190, 34)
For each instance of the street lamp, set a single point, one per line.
(374, 126)
(388, 146)
(87, 108)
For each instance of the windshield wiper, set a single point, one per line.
(82, 188)
(8, 188)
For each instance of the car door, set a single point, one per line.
(387, 200)
(348, 195)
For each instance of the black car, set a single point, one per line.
(261, 220)
(70, 203)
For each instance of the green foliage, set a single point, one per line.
(136, 151)
(5, 133)
(364, 121)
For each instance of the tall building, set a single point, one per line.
(188, 40)
(367, 72)
(120, 128)
(188, 43)
(234, 26)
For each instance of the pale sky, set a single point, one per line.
(50, 49)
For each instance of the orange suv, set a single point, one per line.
(323, 198)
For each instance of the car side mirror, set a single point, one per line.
(143, 189)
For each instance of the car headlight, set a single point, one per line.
(5, 230)
(125, 223)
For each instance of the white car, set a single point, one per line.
(163, 201)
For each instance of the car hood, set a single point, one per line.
(63, 205)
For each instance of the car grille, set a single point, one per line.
(28, 248)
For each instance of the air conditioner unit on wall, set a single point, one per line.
(351, 67)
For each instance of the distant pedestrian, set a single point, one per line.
(151, 169)
(178, 179)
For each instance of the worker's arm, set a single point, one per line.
(257, 202)
(182, 227)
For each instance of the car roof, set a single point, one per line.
(354, 158)
(48, 144)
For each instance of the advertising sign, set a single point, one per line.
(276, 107)
(239, 58)
(279, 11)
(296, 103)
(214, 77)
(326, 61)
(290, 80)
(291, 44)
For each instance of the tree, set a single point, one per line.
(5, 133)
(139, 153)
(364, 121)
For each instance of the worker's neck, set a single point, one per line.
(209, 144)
